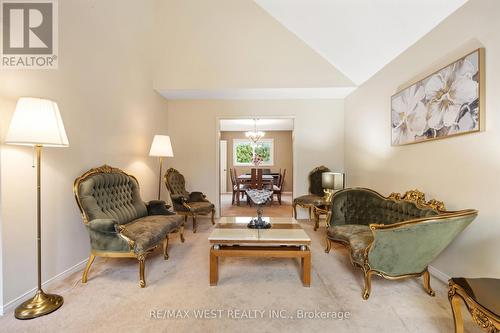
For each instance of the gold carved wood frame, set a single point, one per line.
(488, 321)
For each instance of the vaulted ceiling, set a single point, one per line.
(283, 49)
(359, 37)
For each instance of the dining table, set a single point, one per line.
(267, 180)
(246, 178)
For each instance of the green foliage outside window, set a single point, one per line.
(246, 151)
(264, 151)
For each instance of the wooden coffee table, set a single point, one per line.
(285, 239)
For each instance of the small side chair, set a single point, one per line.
(188, 204)
(316, 196)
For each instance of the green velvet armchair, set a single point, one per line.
(188, 204)
(316, 196)
(394, 237)
(119, 223)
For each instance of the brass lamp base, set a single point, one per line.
(328, 194)
(41, 304)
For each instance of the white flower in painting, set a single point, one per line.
(409, 115)
(447, 91)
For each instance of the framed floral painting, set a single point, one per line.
(446, 103)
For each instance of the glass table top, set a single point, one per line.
(283, 231)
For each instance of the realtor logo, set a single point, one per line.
(29, 34)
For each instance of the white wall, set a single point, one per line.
(104, 90)
(462, 171)
(1, 244)
(193, 127)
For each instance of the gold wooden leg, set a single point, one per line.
(165, 248)
(294, 210)
(457, 313)
(310, 213)
(328, 245)
(194, 224)
(213, 216)
(181, 233)
(316, 220)
(87, 268)
(427, 283)
(214, 268)
(142, 280)
(368, 285)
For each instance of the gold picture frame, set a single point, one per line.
(448, 102)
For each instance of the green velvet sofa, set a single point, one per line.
(119, 223)
(393, 237)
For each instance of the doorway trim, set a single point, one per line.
(217, 152)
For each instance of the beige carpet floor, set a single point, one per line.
(111, 301)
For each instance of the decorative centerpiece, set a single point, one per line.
(257, 160)
(259, 198)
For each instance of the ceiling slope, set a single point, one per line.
(234, 46)
(359, 37)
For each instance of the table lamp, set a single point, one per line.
(331, 182)
(37, 122)
(161, 147)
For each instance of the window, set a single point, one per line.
(244, 152)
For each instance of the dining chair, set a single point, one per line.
(278, 190)
(238, 188)
(256, 179)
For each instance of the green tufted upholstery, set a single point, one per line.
(365, 207)
(176, 184)
(111, 202)
(316, 194)
(392, 237)
(111, 195)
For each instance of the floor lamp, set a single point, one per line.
(37, 122)
(161, 147)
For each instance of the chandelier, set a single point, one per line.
(255, 135)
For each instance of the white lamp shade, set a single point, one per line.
(36, 121)
(161, 146)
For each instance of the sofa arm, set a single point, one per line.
(409, 247)
(178, 198)
(103, 225)
(337, 209)
(197, 197)
(158, 207)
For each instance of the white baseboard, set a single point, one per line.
(439, 275)
(18, 300)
